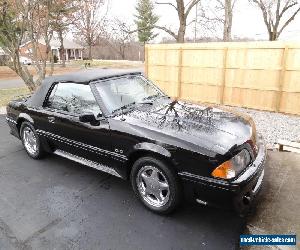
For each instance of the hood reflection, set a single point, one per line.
(194, 126)
(187, 118)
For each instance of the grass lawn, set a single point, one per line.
(9, 94)
(7, 73)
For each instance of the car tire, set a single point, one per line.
(156, 185)
(31, 141)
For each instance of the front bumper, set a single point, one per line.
(238, 193)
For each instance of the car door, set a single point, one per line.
(60, 118)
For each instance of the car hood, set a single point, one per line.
(194, 127)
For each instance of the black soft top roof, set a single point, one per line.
(83, 76)
(86, 76)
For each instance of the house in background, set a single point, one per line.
(73, 51)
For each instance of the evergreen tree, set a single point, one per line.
(145, 20)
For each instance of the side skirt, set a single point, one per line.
(86, 162)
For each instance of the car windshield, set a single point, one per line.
(125, 92)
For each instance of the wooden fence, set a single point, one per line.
(259, 75)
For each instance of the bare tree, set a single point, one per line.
(218, 13)
(63, 16)
(228, 6)
(21, 21)
(120, 37)
(89, 22)
(183, 10)
(277, 15)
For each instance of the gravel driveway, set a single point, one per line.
(275, 126)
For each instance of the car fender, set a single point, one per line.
(151, 147)
(25, 117)
(44, 141)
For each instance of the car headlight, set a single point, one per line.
(234, 166)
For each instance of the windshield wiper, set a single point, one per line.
(146, 102)
(151, 97)
(123, 107)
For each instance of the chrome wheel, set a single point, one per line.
(30, 140)
(153, 186)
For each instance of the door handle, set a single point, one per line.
(51, 119)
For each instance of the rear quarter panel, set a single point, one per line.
(14, 110)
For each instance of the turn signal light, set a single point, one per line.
(224, 171)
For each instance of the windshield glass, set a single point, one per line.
(126, 91)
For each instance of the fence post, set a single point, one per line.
(146, 60)
(222, 88)
(179, 79)
(281, 77)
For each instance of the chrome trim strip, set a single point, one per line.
(10, 120)
(203, 178)
(86, 162)
(259, 182)
(80, 144)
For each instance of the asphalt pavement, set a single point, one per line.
(11, 83)
(58, 204)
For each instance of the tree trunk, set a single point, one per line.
(181, 33)
(62, 49)
(273, 36)
(90, 52)
(52, 64)
(29, 83)
(19, 68)
(227, 21)
(27, 78)
(123, 53)
(144, 52)
(182, 21)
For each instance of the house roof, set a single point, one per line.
(55, 44)
(68, 44)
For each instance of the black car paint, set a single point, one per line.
(194, 139)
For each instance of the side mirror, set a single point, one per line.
(88, 117)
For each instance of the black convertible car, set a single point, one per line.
(121, 123)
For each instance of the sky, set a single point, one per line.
(247, 20)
